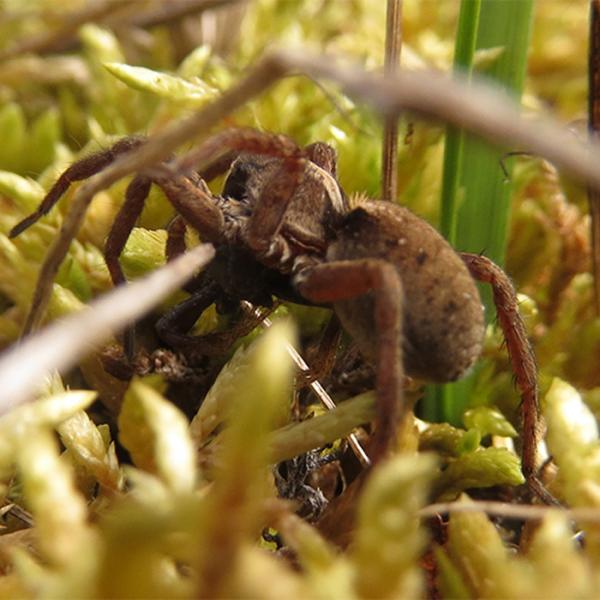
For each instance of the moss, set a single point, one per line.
(182, 514)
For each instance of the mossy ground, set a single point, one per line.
(173, 509)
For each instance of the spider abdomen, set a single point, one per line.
(443, 321)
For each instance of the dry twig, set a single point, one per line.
(524, 512)
(478, 108)
(65, 342)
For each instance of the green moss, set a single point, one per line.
(184, 520)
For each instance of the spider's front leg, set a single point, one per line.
(78, 171)
(522, 361)
(82, 169)
(129, 213)
(339, 281)
(135, 197)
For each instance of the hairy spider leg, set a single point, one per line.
(269, 213)
(125, 220)
(323, 155)
(79, 170)
(175, 238)
(344, 280)
(223, 146)
(522, 361)
(173, 326)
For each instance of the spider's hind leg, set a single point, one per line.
(337, 281)
(522, 361)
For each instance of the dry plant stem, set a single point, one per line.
(511, 511)
(594, 208)
(20, 513)
(92, 11)
(167, 12)
(594, 127)
(481, 109)
(65, 342)
(478, 108)
(393, 46)
(115, 15)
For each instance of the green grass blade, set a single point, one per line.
(438, 398)
(482, 219)
(464, 51)
(476, 216)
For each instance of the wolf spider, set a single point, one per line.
(284, 227)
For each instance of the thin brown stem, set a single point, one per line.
(111, 14)
(594, 128)
(478, 108)
(511, 511)
(70, 23)
(389, 157)
(163, 13)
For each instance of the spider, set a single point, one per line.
(284, 227)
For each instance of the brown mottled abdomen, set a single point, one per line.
(443, 316)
